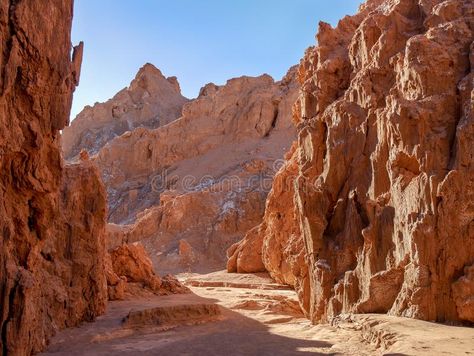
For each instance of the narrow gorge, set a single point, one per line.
(327, 212)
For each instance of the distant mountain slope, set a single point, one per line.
(191, 188)
(150, 101)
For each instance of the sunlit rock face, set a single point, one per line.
(150, 101)
(384, 179)
(52, 217)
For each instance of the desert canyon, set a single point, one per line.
(328, 212)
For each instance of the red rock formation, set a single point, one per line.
(245, 256)
(190, 189)
(150, 101)
(52, 218)
(214, 137)
(383, 190)
(76, 254)
(116, 285)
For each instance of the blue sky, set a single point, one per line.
(199, 41)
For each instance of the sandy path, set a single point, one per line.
(263, 321)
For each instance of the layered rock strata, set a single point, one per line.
(384, 171)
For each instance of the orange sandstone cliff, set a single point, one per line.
(52, 217)
(372, 212)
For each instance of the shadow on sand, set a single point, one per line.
(232, 334)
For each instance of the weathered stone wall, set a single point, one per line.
(52, 218)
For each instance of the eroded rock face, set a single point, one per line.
(383, 189)
(52, 218)
(190, 189)
(74, 260)
(150, 101)
(218, 131)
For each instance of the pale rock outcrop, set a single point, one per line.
(52, 218)
(150, 101)
(192, 230)
(384, 182)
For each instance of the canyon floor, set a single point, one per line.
(248, 314)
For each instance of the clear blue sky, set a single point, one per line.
(199, 41)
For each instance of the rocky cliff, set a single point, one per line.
(150, 101)
(52, 217)
(381, 180)
(191, 188)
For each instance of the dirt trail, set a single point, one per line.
(255, 316)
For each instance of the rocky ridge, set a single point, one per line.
(382, 169)
(189, 189)
(150, 101)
